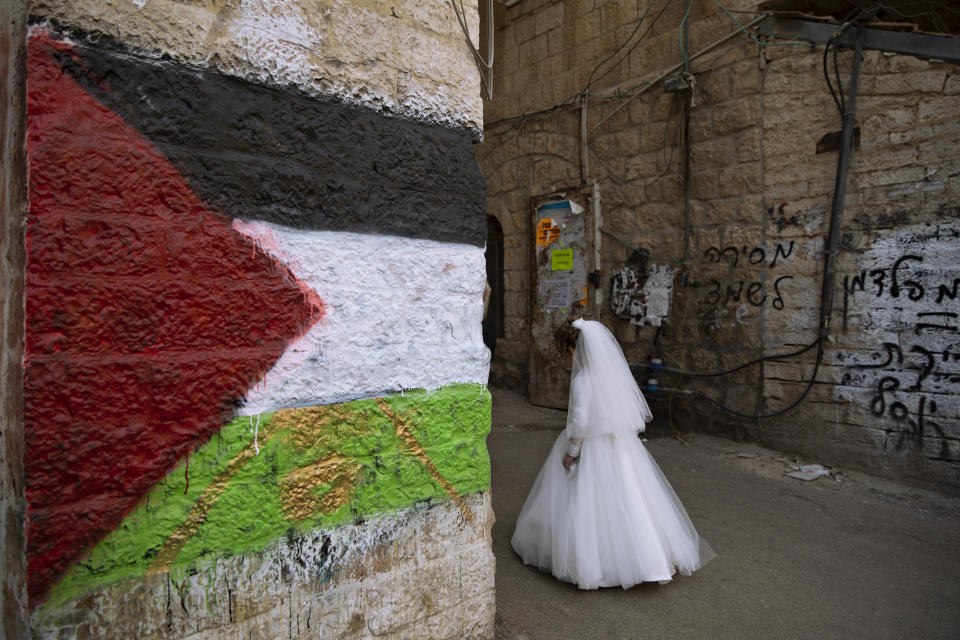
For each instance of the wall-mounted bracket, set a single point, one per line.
(914, 44)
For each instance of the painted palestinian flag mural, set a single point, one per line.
(229, 291)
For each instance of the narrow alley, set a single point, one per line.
(857, 557)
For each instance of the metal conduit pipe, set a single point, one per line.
(616, 89)
(840, 190)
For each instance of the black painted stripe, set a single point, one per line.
(260, 153)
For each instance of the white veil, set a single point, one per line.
(603, 392)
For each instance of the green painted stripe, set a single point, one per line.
(358, 465)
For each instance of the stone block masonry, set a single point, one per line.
(265, 512)
(254, 383)
(759, 204)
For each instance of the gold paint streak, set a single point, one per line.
(208, 497)
(404, 432)
(309, 427)
(299, 497)
(314, 426)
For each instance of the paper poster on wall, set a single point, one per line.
(561, 260)
(547, 232)
(554, 293)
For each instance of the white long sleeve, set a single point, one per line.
(578, 411)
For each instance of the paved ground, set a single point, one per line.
(828, 559)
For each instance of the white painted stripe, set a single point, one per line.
(400, 314)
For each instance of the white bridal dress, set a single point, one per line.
(612, 519)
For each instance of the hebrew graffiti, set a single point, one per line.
(905, 294)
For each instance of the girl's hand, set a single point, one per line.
(567, 461)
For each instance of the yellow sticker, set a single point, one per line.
(561, 260)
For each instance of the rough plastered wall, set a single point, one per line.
(884, 396)
(403, 58)
(13, 195)
(255, 383)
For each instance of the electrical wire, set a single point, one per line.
(625, 42)
(647, 182)
(635, 90)
(572, 99)
(750, 35)
(666, 4)
(935, 19)
(673, 69)
(683, 23)
(640, 87)
(772, 414)
(485, 67)
(757, 416)
(818, 342)
(848, 20)
(837, 99)
(517, 121)
(714, 374)
(628, 246)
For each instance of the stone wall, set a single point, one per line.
(13, 199)
(406, 59)
(255, 396)
(748, 273)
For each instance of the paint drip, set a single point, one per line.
(256, 432)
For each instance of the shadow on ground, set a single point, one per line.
(845, 556)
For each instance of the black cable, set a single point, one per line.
(774, 356)
(935, 20)
(842, 106)
(862, 11)
(639, 40)
(625, 42)
(826, 74)
(760, 416)
(518, 120)
(836, 72)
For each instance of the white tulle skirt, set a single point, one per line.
(613, 520)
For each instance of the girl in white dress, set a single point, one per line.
(601, 513)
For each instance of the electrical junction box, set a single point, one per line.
(678, 82)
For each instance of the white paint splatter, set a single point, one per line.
(256, 432)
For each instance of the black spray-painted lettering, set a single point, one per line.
(778, 301)
(755, 256)
(896, 280)
(888, 399)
